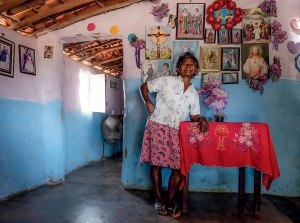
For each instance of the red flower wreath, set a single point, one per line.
(217, 5)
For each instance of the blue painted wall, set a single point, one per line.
(40, 143)
(278, 107)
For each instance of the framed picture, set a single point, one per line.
(27, 60)
(158, 43)
(224, 15)
(256, 26)
(210, 36)
(180, 47)
(297, 62)
(210, 58)
(223, 36)
(236, 36)
(164, 68)
(210, 76)
(230, 58)
(113, 84)
(255, 60)
(49, 51)
(7, 55)
(230, 77)
(172, 21)
(190, 21)
(148, 71)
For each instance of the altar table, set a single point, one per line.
(229, 145)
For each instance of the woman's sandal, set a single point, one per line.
(174, 212)
(160, 209)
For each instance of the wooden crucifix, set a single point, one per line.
(158, 35)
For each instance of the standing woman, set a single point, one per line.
(176, 98)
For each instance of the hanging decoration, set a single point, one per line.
(275, 69)
(114, 30)
(216, 18)
(279, 35)
(91, 26)
(269, 6)
(160, 11)
(293, 47)
(257, 84)
(297, 62)
(295, 24)
(138, 44)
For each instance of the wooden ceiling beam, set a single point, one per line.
(92, 47)
(102, 50)
(100, 3)
(10, 4)
(86, 15)
(43, 14)
(108, 61)
(114, 66)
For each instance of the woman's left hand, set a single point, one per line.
(203, 124)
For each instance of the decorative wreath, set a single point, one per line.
(217, 5)
(257, 84)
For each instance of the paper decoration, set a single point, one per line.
(295, 23)
(91, 26)
(293, 47)
(114, 30)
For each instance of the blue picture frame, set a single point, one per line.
(297, 62)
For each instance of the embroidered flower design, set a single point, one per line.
(196, 138)
(246, 139)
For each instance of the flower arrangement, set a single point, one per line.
(279, 36)
(216, 96)
(275, 69)
(138, 44)
(160, 11)
(257, 84)
(269, 6)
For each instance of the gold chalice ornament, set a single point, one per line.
(221, 131)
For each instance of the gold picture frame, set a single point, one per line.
(210, 58)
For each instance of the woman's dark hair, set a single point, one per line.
(182, 57)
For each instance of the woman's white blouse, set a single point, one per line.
(172, 105)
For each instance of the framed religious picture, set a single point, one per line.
(255, 60)
(7, 55)
(113, 84)
(180, 47)
(223, 36)
(49, 51)
(172, 21)
(210, 76)
(158, 43)
(27, 60)
(210, 58)
(256, 26)
(149, 71)
(236, 36)
(224, 15)
(297, 62)
(210, 36)
(230, 58)
(230, 77)
(164, 68)
(191, 21)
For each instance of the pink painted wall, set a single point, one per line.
(140, 17)
(50, 72)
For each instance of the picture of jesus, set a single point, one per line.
(255, 60)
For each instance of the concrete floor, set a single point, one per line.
(93, 194)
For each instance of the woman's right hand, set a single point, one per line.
(150, 106)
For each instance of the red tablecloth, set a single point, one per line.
(229, 145)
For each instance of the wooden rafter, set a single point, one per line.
(10, 4)
(92, 47)
(108, 61)
(85, 15)
(102, 50)
(49, 12)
